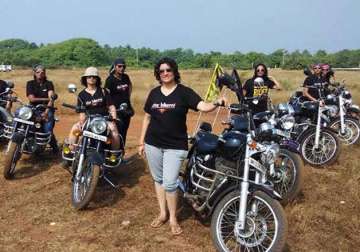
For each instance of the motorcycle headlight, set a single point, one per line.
(287, 122)
(98, 125)
(346, 95)
(333, 110)
(269, 156)
(25, 113)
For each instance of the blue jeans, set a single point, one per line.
(165, 165)
(49, 125)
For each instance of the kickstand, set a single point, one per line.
(110, 182)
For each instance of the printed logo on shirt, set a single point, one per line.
(44, 90)
(162, 107)
(258, 91)
(122, 87)
(94, 102)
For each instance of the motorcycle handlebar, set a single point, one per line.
(66, 105)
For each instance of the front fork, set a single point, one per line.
(81, 158)
(342, 119)
(318, 128)
(240, 223)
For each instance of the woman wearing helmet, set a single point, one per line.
(258, 86)
(95, 100)
(119, 85)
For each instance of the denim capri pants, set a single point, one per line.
(165, 165)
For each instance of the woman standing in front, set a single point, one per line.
(164, 136)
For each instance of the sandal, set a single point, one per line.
(157, 222)
(176, 229)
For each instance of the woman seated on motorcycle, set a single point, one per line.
(94, 100)
(314, 84)
(40, 91)
(251, 89)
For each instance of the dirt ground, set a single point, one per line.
(36, 212)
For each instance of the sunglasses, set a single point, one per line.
(167, 70)
(316, 68)
(260, 70)
(119, 66)
(91, 77)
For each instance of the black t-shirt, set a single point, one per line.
(167, 128)
(315, 84)
(119, 89)
(39, 90)
(253, 90)
(97, 103)
(3, 86)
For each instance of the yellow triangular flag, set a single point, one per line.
(213, 91)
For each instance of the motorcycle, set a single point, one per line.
(5, 115)
(92, 158)
(287, 172)
(319, 144)
(226, 179)
(25, 135)
(340, 113)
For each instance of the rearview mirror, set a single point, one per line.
(72, 88)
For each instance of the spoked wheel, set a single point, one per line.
(11, 157)
(289, 175)
(352, 131)
(265, 228)
(84, 188)
(327, 151)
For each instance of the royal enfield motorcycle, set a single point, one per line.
(226, 179)
(319, 144)
(341, 116)
(5, 115)
(25, 134)
(92, 157)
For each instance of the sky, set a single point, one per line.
(200, 25)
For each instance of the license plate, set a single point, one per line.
(94, 136)
(281, 133)
(23, 121)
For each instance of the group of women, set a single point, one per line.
(163, 139)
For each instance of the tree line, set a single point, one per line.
(82, 52)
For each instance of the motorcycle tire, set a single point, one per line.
(306, 138)
(255, 236)
(92, 179)
(296, 176)
(10, 160)
(352, 130)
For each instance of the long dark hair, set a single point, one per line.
(172, 64)
(265, 76)
(84, 83)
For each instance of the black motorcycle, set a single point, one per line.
(92, 157)
(5, 115)
(25, 135)
(341, 112)
(319, 144)
(226, 178)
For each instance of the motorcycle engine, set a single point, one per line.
(226, 166)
